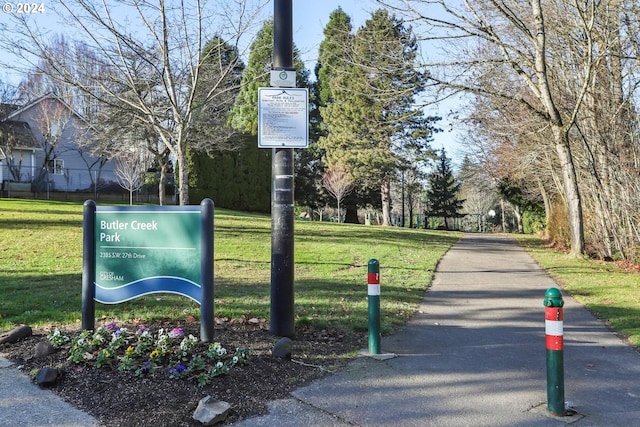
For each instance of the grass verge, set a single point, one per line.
(41, 263)
(610, 292)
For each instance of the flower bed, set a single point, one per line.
(145, 353)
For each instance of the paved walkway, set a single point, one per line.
(475, 355)
(23, 404)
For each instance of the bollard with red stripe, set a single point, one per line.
(553, 321)
(373, 288)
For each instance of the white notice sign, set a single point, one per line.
(283, 117)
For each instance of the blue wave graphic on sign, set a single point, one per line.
(148, 285)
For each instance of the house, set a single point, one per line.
(17, 140)
(46, 146)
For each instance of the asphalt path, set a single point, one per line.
(475, 355)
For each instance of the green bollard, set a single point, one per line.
(553, 320)
(373, 280)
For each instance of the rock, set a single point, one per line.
(282, 349)
(42, 349)
(16, 334)
(48, 377)
(210, 411)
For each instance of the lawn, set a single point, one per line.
(41, 262)
(610, 292)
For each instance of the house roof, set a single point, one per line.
(16, 135)
(18, 111)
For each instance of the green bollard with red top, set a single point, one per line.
(553, 321)
(373, 287)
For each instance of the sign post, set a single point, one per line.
(282, 186)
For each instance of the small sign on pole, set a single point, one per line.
(283, 78)
(283, 117)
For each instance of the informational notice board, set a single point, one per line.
(283, 117)
(131, 251)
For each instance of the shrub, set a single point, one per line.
(558, 226)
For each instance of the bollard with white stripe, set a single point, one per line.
(553, 321)
(373, 285)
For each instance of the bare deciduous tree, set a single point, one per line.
(130, 171)
(338, 182)
(54, 122)
(151, 62)
(542, 55)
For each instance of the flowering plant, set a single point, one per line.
(146, 354)
(177, 372)
(176, 333)
(57, 339)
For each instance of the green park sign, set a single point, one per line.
(131, 251)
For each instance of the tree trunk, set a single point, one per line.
(411, 224)
(183, 178)
(561, 137)
(351, 215)
(162, 184)
(572, 192)
(517, 211)
(386, 202)
(546, 201)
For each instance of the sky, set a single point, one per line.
(309, 20)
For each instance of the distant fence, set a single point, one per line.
(76, 185)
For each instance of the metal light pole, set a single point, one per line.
(282, 185)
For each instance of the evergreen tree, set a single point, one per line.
(369, 107)
(332, 57)
(334, 49)
(244, 117)
(239, 179)
(210, 132)
(443, 191)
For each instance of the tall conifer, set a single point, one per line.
(443, 191)
(369, 113)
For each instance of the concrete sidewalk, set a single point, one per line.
(23, 404)
(475, 355)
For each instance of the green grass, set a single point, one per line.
(610, 292)
(41, 262)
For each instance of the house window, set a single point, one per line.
(56, 166)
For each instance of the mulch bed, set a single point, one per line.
(119, 398)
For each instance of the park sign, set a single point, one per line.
(131, 251)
